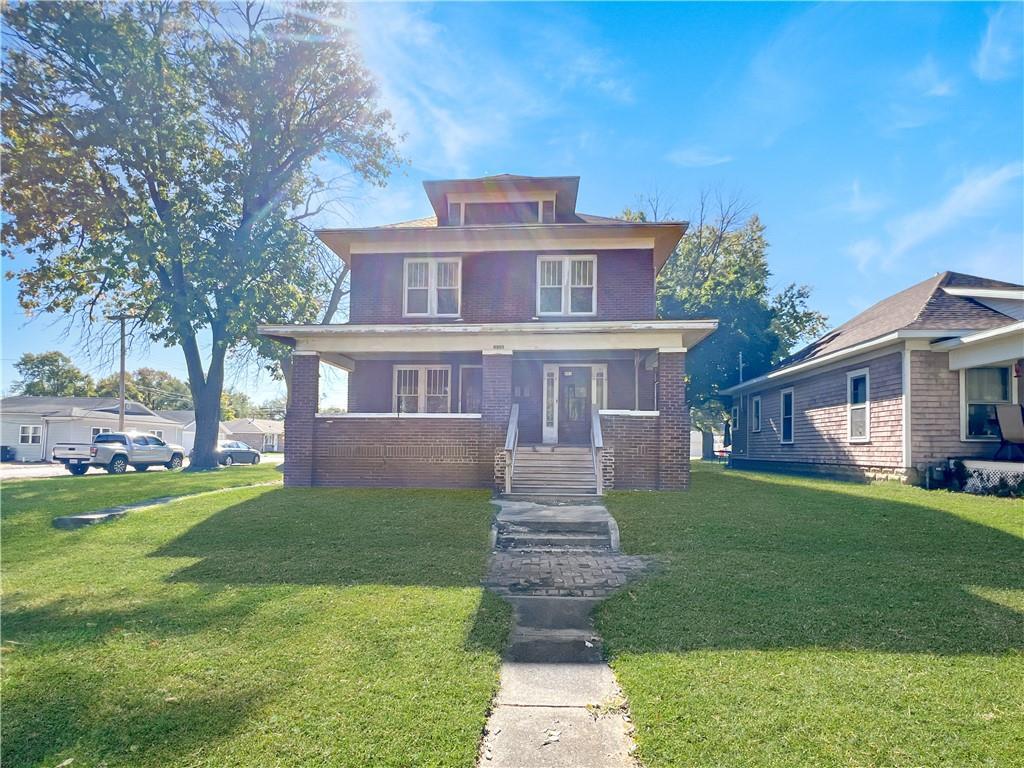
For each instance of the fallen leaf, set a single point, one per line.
(66, 763)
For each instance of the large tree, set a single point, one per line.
(51, 374)
(159, 162)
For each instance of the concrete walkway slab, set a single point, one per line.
(556, 737)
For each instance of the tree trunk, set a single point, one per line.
(206, 394)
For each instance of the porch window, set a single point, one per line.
(550, 382)
(984, 389)
(30, 434)
(858, 406)
(101, 431)
(422, 389)
(786, 416)
(566, 285)
(432, 287)
(755, 413)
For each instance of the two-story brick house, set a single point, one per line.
(508, 339)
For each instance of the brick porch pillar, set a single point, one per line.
(674, 427)
(300, 417)
(495, 407)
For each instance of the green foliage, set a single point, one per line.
(159, 160)
(51, 374)
(155, 389)
(236, 405)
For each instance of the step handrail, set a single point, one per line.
(597, 449)
(511, 441)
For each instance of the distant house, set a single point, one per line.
(33, 425)
(906, 384)
(186, 421)
(262, 434)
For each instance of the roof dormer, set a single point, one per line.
(504, 200)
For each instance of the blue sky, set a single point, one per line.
(879, 143)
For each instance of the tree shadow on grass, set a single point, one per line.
(759, 563)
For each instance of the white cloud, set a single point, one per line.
(999, 55)
(864, 253)
(859, 203)
(976, 195)
(697, 157)
(927, 80)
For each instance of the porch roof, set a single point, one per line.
(997, 346)
(491, 338)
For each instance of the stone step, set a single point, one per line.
(554, 541)
(549, 449)
(553, 526)
(555, 478)
(584, 461)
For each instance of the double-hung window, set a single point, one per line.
(786, 416)
(422, 389)
(858, 406)
(432, 287)
(566, 285)
(100, 431)
(755, 413)
(30, 434)
(983, 389)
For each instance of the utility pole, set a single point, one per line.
(120, 411)
(741, 366)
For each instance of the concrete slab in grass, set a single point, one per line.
(555, 737)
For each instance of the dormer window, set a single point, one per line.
(472, 210)
(432, 287)
(548, 212)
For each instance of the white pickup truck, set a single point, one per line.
(116, 451)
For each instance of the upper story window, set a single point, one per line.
(432, 287)
(858, 406)
(982, 390)
(483, 212)
(566, 285)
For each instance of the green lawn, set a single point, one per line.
(254, 627)
(798, 622)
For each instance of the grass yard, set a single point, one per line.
(799, 622)
(258, 626)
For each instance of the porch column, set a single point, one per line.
(674, 421)
(299, 422)
(495, 408)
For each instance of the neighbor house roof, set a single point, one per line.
(927, 309)
(266, 426)
(182, 417)
(70, 407)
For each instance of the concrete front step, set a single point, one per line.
(554, 541)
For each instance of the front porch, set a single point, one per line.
(613, 414)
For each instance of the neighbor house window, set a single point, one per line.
(566, 285)
(100, 431)
(422, 389)
(30, 434)
(157, 433)
(755, 413)
(432, 287)
(786, 416)
(984, 389)
(858, 406)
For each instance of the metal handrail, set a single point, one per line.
(511, 441)
(596, 449)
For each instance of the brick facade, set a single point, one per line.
(634, 446)
(674, 422)
(300, 418)
(497, 404)
(502, 288)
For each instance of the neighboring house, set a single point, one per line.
(506, 321)
(261, 434)
(186, 426)
(33, 425)
(905, 385)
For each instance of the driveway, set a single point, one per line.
(12, 470)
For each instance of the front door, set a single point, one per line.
(574, 405)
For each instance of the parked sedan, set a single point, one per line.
(235, 452)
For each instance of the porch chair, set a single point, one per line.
(1011, 427)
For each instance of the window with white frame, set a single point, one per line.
(30, 434)
(566, 285)
(982, 390)
(432, 287)
(858, 406)
(755, 413)
(157, 433)
(100, 431)
(786, 416)
(422, 389)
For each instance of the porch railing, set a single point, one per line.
(596, 449)
(511, 441)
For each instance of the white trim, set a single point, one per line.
(782, 415)
(549, 432)
(304, 352)
(964, 437)
(431, 288)
(907, 419)
(398, 416)
(866, 405)
(421, 385)
(462, 368)
(1003, 330)
(671, 350)
(566, 262)
(93, 431)
(618, 412)
(526, 239)
(758, 410)
(34, 430)
(988, 293)
(549, 435)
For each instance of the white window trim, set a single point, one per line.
(782, 416)
(734, 419)
(461, 198)
(431, 288)
(755, 408)
(462, 369)
(567, 260)
(34, 430)
(549, 435)
(100, 431)
(964, 438)
(850, 376)
(157, 433)
(421, 386)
